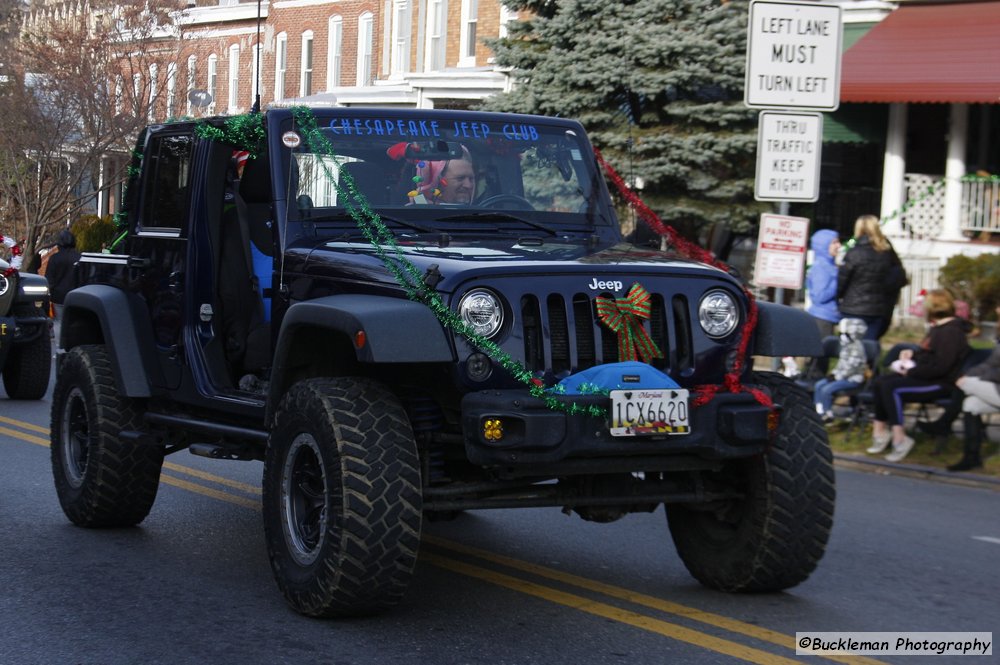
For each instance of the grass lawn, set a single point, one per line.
(923, 453)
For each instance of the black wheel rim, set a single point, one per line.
(304, 494)
(76, 437)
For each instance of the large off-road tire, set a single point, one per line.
(773, 537)
(342, 498)
(26, 372)
(101, 480)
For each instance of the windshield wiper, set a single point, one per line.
(500, 216)
(340, 216)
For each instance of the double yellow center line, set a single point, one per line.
(530, 580)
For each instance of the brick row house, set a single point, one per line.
(416, 53)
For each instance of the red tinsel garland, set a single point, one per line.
(731, 381)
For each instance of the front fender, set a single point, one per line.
(396, 330)
(785, 331)
(102, 314)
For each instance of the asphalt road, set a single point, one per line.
(192, 584)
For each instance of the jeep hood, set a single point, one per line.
(460, 259)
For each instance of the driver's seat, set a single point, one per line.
(369, 180)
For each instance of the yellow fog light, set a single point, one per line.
(492, 429)
(773, 422)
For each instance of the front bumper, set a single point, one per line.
(727, 427)
(20, 330)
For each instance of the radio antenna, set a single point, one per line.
(256, 102)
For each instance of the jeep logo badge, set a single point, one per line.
(596, 285)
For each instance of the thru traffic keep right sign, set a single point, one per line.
(788, 156)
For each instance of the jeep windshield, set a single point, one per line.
(442, 171)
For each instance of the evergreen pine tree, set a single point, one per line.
(662, 77)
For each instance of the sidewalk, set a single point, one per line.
(862, 462)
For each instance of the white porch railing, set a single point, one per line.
(980, 204)
(923, 215)
(924, 274)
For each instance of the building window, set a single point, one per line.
(119, 91)
(213, 80)
(136, 93)
(366, 35)
(171, 88)
(191, 81)
(255, 87)
(437, 25)
(154, 72)
(280, 65)
(400, 54)
(506, 16)
(234, 78)
(334, 54)
(306, 76)
(467, 39)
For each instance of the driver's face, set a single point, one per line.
(458, 182)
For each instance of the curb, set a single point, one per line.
(864, 463)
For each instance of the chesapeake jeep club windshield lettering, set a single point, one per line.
(431, 129)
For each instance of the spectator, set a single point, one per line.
(982, 395)
(981, 385)
(61, 271)
(868, 283)
(821, 281)
(45, 255)
(850, 370)
(942, 426)
(927, 373)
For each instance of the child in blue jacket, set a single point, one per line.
(821, 280)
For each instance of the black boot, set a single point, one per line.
(973, 441)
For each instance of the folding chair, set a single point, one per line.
(952, 404)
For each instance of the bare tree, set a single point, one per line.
(85, 84)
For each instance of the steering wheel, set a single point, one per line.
(506, 200)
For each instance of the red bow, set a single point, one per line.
(623, 316)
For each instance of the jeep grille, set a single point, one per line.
(571, 338)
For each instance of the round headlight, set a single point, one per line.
(482, 311)
(718, 314)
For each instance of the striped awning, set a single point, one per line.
(927, 53)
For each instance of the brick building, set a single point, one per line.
(424, 53)
(416, 53)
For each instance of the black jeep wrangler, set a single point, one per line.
(410, 313)
(25, 333)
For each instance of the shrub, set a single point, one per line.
(93, 232)
(976, 281)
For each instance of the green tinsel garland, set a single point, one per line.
(243, 131)
(409, 276)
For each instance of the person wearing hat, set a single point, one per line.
(849, 372)
(61, 271)
(821, 281)
(449, 181)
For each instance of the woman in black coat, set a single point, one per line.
(870, 278)
(925, 374)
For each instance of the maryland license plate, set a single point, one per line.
(646, 412)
